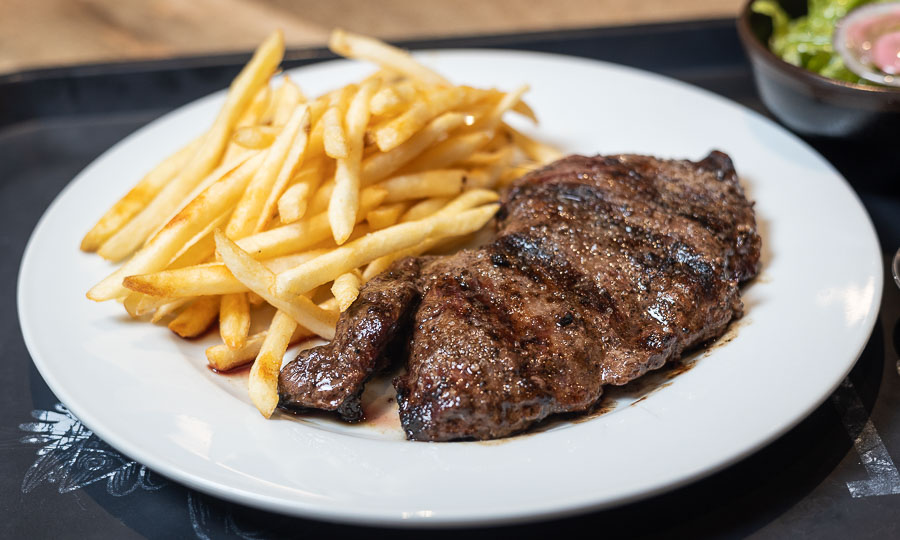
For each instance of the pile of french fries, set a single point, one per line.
(297, 202)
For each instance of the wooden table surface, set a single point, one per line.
(40, 33)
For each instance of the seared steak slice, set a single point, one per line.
(603, 268)
(331, 377)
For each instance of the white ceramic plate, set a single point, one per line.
(807, 319)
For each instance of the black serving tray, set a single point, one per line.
(833, 476)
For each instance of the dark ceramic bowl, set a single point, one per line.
(809, 103)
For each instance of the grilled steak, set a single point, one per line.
(603, 268)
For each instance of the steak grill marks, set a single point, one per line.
(603, 268)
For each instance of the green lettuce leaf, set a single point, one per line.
(806, 41)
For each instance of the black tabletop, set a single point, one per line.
(833, 476)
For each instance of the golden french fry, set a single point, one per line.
(251, 78)
(138, 197)
(169, 307)
(204, 279)
(218, 173)
(309, 275)
(256, 108)
(386, 56)
(537, 151)
(379, 166)
(385, 216)
(345, 289)
(450, 152)
(284, 99)
(515, 172)
(431, 183)
(261, 280)
(192, 220)
(254, 137)
(292, 203)
(344, 204)
(478, 96)
(234, 319)
(470, 199)
(223, 358)
(483, 158)
(392, 99)
(395, 132)
(525, 110)
(132, 304)
(334, 138)
(247, 214)
(263, 381)
(424, 209)
(196, 318)
(304, 233)
(310, 173)
(493, 119)
(120, 244)
(255, 299)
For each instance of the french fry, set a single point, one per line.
(205, 279)
(138, 197)
(386, 56)
(400, 129)
(132, 304)
(246, 216)
(345, 289)
(223, 358)
(385, 216)
(537, 151)
(344, 204)
(183, 227)
(334, 138)
(196, 318)
(305, 233)
(381, 165)
(292, 203)
(261, 280)
(493, 119)
(520, 107)
(202, 279)
(284, 100)
(515, 172)
(431, 183)
(263, 381)
(484, 158)
(251, 78)
(254, 137)
(256, 108)
(310, 173)
(228, 165)
(120, 245)
(449, 152)
(168, 307)
(424, 209)
(234, 319)
(464, 202)
(391, 99)
(309, 275)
